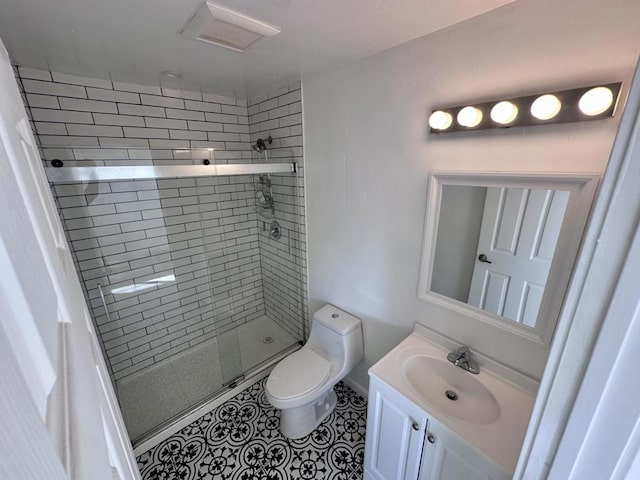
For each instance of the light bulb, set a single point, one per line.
(469, 117)
(440, 120)
(545, 107)
(596, 101)
(504, 112)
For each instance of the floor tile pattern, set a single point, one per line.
(240, 440)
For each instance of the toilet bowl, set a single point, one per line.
(301, 385)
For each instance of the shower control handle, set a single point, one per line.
(275, 231)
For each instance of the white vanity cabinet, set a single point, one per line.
(405, 443)
(447, 457)
(395, 435)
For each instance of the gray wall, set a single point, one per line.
(461, 211)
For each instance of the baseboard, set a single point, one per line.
(359, 388)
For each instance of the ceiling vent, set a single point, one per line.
(219, 25)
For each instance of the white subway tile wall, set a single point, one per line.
(178, 259)
(181, 259)
(284, 269)
(74, 113)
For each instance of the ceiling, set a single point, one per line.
(135, 40)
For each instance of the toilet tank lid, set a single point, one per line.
(337, 320)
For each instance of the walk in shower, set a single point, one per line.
(184, 212)
(189, 287)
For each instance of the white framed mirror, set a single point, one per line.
(500, 247)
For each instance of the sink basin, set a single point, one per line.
(437, 381)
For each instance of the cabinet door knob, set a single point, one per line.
(431, 438)
(415, 425)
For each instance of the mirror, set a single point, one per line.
(495, 245)
(501, 247)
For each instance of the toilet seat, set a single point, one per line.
(299, 374)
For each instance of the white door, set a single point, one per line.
(395, 435)
(518, 236)
(58, 413)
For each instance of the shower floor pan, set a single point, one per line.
(156, 401)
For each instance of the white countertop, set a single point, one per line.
(501, 440)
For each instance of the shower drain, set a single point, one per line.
(268, 339)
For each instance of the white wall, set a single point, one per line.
(368, 154)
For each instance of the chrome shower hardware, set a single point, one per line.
(263, 200)
(260, 145)
(275, 231)
(263, 194)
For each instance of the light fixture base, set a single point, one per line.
(568, 110)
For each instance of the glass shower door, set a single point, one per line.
(188, 289)
(222, 223)
(141, 256)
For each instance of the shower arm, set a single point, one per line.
(261, 146)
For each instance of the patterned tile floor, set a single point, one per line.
(240, 440)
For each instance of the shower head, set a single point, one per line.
(260, 145)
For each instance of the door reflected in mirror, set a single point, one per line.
(495, 246)
(500, 248)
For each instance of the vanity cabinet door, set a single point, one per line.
(395, 435)
(447, 457)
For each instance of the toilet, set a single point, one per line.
(301, 385)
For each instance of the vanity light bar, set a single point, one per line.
(575, 105)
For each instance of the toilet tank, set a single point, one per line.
(338, 335)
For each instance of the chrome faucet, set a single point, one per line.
(462, 358)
